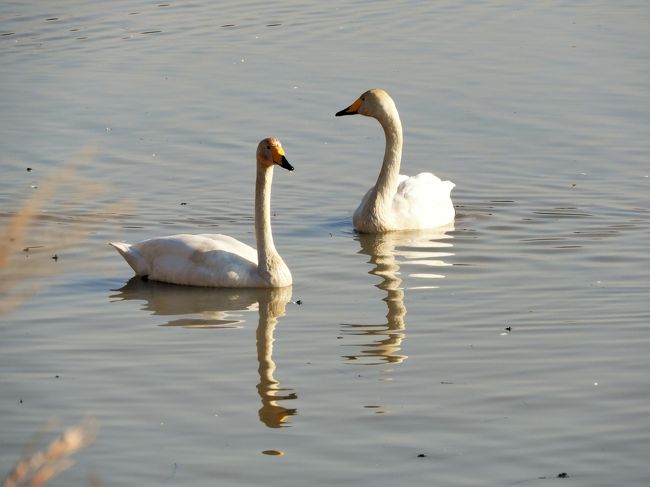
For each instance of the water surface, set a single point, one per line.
(505, 350)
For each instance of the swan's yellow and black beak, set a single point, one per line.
(351, 110)
(279, 159)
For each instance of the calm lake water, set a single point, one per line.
(504, 351)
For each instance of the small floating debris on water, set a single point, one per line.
(299, 302)
(183, 203)
(29, 169)
(55, 258)
(422, 455)
(275, 453)
(561, 475)
(274, 24)
(27, 249)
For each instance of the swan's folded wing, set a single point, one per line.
(424, 201)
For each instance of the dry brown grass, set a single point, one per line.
(36, 468)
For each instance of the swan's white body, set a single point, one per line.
(398, 202)
(215, 260)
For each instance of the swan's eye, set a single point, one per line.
(268, 147)
(363, 99)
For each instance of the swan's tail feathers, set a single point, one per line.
(134, 258)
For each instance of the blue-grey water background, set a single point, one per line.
(505, 351)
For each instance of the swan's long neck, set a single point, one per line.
(389, 174)
(268, 259)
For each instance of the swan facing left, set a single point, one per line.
(398, 202)
(214, 260)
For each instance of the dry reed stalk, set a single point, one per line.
(18, 281)
(17, 227)
(36, 469)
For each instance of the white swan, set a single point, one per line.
(398, 202)
(214, 260)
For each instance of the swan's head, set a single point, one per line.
(374, 103)
(270, 152)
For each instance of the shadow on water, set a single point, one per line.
(224, 308)
(389, 252)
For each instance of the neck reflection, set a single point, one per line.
(195, 307)
(422, 248)
(272, 414)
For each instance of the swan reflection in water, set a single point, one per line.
(225, 308)
(425, 249)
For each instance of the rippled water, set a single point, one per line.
(506, 350)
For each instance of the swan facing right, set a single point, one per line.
(398, 202)
(215, 260)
